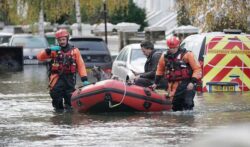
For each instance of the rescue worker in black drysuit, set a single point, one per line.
(66, 60)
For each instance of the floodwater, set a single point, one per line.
(28, 119)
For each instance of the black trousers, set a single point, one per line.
(62, 90)
(143, 82)
(147, 82)
(183, 98)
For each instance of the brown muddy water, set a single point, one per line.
(28, 119)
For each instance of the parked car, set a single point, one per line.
(225, 59)
(50, 36)
(4, 38)
(131, 60)
(31, 46)
(95, 53)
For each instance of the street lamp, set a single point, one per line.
(105, 19)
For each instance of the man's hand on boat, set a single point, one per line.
(135, 73)
(153, 87)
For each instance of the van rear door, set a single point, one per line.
(226, 63)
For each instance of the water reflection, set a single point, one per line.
(32, 79)
(227, 136)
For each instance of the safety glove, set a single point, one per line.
(55, 48)
(52, 48)
(85, 83)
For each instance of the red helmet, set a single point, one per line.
(62, 33)
(173, 42)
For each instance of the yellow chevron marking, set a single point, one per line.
(237, 71)
(216, 69)
(246, 60)
(224, 41)
(244, 38)
(230, 54)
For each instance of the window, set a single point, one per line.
(137, 57)
(123, 55)
(4, 39)
(30, 42)
(137, 54)
(89, 45)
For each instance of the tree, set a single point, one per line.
(131, 13)
(217, 15)
(27, 11)
(120, 15)
(63, 11)
(183, 17)
(4, 7)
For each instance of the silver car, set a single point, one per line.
(131, 60)
(31, 44)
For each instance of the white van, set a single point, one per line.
(225, 60)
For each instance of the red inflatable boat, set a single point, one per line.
(116, 96)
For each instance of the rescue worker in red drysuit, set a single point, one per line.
(66, 60)
(182, 70)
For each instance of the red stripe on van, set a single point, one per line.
(245, 47)
(247, 72)
(213, 42)
(231, 45)
(234, 62)
(211, 45)
(217, 38)
(213, 62)
(221, 74)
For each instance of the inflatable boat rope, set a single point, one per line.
(125, 91)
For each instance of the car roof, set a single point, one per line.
(24, 35)
(212, 34)
(5, 34)
(138, 46)
(85, 38)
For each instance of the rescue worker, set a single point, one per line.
(147, 78)
(66, 60)
(182, 70)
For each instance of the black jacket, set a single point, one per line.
(151, 65)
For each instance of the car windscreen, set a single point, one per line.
(89, 45)
(137, 57)
(4, 39)
(30, 42)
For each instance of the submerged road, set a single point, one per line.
(28, 119)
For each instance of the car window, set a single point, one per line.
(123, 55)
(30, 42)
(4, 39)
(137, 56)
(89, 45)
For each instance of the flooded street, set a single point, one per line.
(28, 119)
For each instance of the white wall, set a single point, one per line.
(160, 13)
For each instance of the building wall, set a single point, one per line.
(160, 13)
